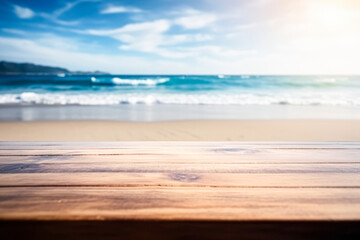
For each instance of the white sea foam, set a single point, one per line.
(135, 82)
(217, 99)
(221, 76)
(330, 79)
(326, 80)
(132, 82)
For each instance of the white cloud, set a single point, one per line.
(161, 25)
(262, 3)
(157, 26)
(66, 8)
(55, 16)
(143, 37)
(69, 6)
(196, 20)
(247, 26)
(120, 9)
(14, 31)
(217, 51)
(195, 37)
(55, 19)
(22, 50)
(56, 42)
(150, 37)
(46, 39)
(22, 12)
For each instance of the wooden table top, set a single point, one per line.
(180, 181)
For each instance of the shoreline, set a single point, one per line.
(187, 130)
(174, 112)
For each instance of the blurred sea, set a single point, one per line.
(214, 93)
(187, 89)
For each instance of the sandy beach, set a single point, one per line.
(210, 130)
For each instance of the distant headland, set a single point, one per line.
(30, 68)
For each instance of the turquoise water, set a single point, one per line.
(180, 89)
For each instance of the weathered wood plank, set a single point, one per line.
(143, 151)
(168, 147)
(178, 179)
(176, 156)
(180, 168)
(173, 203)
(274, 157)
(189, 144)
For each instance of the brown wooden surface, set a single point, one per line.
(180, 181)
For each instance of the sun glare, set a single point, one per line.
(330, 15)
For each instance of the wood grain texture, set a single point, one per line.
(180, 181)
(179, 203)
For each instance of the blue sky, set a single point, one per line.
(185, 37)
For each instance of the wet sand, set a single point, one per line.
(209, 130)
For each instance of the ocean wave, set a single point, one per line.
(192, 99)
(330, 79)
(132, 82)
(180, 83)
(222, 76)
